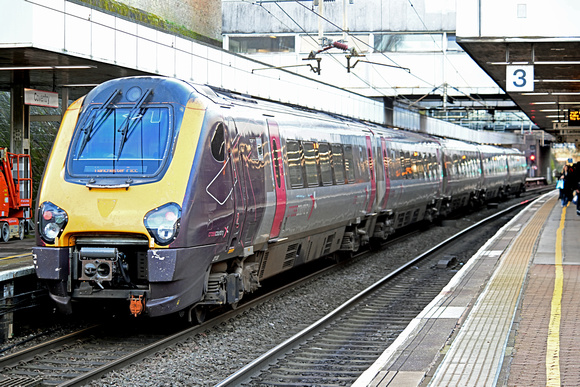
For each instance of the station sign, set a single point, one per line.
(574, 116)
(519, 78)
(40, 98)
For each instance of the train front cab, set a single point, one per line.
(109, 221)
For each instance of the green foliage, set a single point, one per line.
(4, 119)
(42, 135)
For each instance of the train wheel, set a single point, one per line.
(341, 256)
(4, 232)
(375, 244)
(356, 244)
(21, 230)
(197, 315)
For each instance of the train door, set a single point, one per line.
(239, 191)
(279, 180)
(385, 172)
(372, 172)
(396, 175)
(219, 201)
(444, 172)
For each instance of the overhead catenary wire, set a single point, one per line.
(393, 61)
(335, 59)
(316, 42)
(361, 41)
(435, 41)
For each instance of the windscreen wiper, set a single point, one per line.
(90, 127)
(130, 122)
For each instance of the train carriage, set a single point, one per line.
(462, 178)
(517, 172)
(410, 162)
(494, 170)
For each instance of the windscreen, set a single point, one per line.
(121, 140)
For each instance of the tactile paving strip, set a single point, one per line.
(476, 355)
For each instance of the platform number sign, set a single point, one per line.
(519, 78)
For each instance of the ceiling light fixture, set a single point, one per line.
(557, 80)
(554, 103)
(16, 68)
(81, 85)
(544, 62)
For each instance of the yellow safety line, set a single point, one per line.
(553, 350)
(16, 256)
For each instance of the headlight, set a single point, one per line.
(163, 223)
(52, 220)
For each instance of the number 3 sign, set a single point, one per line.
(519, 78)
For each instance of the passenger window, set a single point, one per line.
(418, 169)
(449, 168)
(294, 156)
(349, 163)
(310, 164)
(362, 165)
(408, 166)
(325, 168)
(456, 169)
(338, 163)
(433, 166)
(218, 143)
(396, 165)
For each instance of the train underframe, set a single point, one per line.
(189, 280)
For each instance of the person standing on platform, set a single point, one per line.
(567, 186)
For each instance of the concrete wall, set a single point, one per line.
(103, 37)
(363, 15)
(201, 16)
(518, 18)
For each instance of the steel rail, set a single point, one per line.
(216, 321)
(244, 374)
(29, 353)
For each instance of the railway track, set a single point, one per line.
(77, 358)
(336, 349)
(102, 350)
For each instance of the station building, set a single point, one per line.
(416, 65)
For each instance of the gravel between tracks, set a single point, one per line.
(208, 358)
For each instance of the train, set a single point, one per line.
(169, 197)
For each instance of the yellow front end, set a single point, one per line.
(117, 210)
(111, 233)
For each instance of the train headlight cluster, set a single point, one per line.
(163, 223)
(53, 220)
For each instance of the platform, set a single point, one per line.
(16, 258)
(509, 317)
(16, 269)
